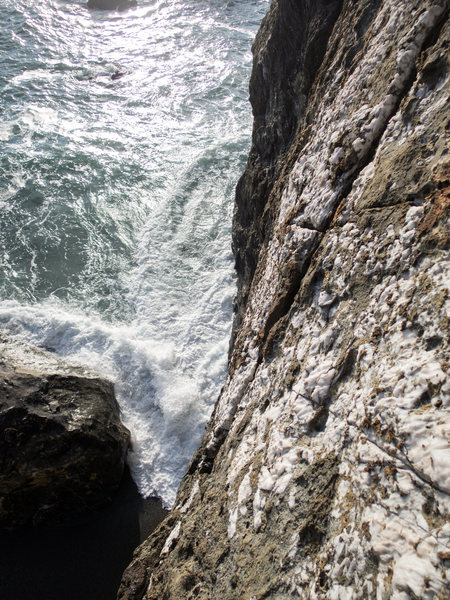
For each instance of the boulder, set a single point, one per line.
(62, 444)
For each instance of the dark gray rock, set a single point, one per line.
(62, 445)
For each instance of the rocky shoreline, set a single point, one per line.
(323, 473)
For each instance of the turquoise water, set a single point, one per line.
(116, 199)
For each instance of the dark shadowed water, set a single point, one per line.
(122, 137)
(81, 560)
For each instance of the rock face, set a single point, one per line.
(324, 471)
(288, 50)
(62, 445)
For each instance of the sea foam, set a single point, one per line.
(117, 201)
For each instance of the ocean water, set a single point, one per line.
(116, 199)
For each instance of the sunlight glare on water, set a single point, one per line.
(116, 197)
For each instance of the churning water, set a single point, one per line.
(116, 198)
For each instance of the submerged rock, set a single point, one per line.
(324, 471)
(117, 75)
(111, 4)
(62, 444)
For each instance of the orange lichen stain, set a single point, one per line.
(434, 222)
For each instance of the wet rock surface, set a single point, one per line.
(324, 470)
(62, 444)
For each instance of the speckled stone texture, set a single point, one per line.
(324, 473)
(62, 444)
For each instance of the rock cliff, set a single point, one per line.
(324, 471)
